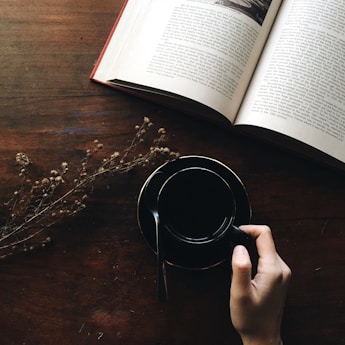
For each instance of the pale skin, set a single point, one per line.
(256, 304)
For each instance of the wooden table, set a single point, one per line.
(95, 282)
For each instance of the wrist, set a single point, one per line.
(262, 341)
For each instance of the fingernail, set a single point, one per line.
(240, 250)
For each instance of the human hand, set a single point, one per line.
(256, 305)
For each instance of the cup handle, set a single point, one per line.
(238, 236)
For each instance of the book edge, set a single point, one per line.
(100, 57)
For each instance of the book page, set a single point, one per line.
(204, 50)
(299, 86)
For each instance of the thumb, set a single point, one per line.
(241, 269)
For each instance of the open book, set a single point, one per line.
(275, 68)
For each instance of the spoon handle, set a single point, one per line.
(162, 289)
(151, 195)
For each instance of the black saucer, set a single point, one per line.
(199, 256)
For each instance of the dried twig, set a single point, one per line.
(37, 205)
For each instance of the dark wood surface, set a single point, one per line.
(95, 283)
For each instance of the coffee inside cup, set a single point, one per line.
(196, 205)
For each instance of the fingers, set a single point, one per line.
(256, 304)
(269, 260)
(264, 240)
(286, 272)
(241, 269)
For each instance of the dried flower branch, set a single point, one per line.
(37, 205)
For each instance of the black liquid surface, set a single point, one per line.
(196, 204)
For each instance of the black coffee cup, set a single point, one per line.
(199, 202)
(196, 206)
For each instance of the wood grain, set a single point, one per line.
(95, 284)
